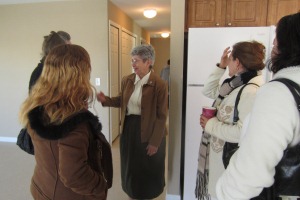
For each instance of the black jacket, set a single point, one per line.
(36, 73)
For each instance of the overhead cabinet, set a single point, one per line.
(205, 13)
(280, 8)
(226, 13)
(222, 13)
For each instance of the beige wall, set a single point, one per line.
(162, 52)
(22, 28)
(119, 17)
(176, 75)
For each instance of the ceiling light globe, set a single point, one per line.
(150, 13)
(165, 35)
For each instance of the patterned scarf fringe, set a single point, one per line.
(201, 190)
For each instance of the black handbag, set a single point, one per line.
(230, 148)
(24, 141)
(287, 176)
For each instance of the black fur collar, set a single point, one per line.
(54, 132)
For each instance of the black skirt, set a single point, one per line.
(143, 176)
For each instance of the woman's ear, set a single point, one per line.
(238, 63)
(149, 62)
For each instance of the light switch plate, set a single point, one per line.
(97, 81)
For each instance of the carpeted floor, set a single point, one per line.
(16, 168)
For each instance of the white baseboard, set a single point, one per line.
(8, 139)
(173, 197)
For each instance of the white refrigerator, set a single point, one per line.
(205, 47)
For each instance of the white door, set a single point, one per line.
(128, 42)
(114, 71)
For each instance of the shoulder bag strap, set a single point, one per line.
(286, 179)
(293, 87)
(236, 112)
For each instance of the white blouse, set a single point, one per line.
(134, 104)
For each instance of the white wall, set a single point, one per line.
(22, 28)
(176, 75)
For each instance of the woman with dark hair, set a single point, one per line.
(143, 103)
(244, 62)
(69, 163)
(50, 41)
(272, 126)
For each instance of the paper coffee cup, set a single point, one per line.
(208, 111)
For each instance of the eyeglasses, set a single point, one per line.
(134, 61)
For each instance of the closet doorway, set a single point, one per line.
(121, 42)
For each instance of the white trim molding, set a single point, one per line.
(8, 139)
(173, 197)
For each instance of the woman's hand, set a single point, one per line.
(203, 121)
(225, 58)
(151, 150)
(101, 97)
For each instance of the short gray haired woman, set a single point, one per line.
(143, 103)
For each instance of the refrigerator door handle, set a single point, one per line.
(196, 85)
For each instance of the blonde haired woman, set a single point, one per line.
(63, 131)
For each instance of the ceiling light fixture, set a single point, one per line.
(150, 13)
(165, 35)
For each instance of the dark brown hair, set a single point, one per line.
(250, 54)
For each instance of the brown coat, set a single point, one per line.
(154, 106)
(63, 170)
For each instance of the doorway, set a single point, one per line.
(121, 42)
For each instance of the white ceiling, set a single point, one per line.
(134, 9)
(156, 25)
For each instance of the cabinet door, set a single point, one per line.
(280, 8)
(205, 13)
(246, 13)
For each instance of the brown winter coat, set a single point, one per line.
(154, 106)
(63, 169)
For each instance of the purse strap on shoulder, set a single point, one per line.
(236, 112)
(293, 87)
(286, 179)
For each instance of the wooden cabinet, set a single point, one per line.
(220, 13)
(246, 12)
(205, 13)
(280, 8)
